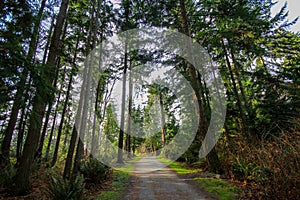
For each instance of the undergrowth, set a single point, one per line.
(267, 169)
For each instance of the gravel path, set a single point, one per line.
(152, 180)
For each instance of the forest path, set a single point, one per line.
(151, 180)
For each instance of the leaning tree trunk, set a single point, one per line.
(212, 157)
(22, 184)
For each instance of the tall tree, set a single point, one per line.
(212, 157)
(125, 27)
(43, 92)
(129, 116)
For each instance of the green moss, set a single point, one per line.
(222, 189)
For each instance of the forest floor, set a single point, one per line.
(151, 179)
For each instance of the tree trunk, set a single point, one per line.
(69, 160)
(94, 139)
(22, 185)
(40, 149)
(59, 130)
(55, 154)
(162, 119)
(66, 135)
(129, 121)
(39, 152)
(99, 96)
(38, 155)
(61, 122)
(51, 135)
(76, 127)
(80, 146)
(122, 120)
(21, 131)
(237, 74)
(23, 120)
(47, 46)
(235, 90)
(87, 89)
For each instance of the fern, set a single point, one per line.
(65, 189)
(94, 171)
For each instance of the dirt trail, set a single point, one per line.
(152, 180)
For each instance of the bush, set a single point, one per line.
(60, 188)
(248, 171)
(94, 171)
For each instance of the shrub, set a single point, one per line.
(94, 171)
(248, 171)
(60, 188)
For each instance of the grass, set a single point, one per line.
(107, 195)
(118, 186)
(121, 177)
(220, 188)
(179, 167)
